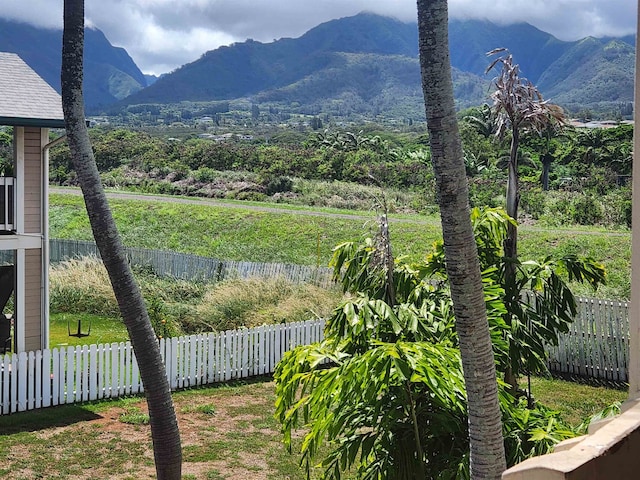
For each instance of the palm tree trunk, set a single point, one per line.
(164, 426)
(511, 241)
(487, 458)
(513, 198)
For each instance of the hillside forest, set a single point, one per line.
(568, 176)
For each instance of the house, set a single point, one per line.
(32, 108)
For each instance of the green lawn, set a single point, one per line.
(103, 329)
(228, 431)
(235, 233)
(575, 401)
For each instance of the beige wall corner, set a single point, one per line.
(611, 452)
(568, 444)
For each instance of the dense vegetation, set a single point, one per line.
(178, 307)
(588, 179)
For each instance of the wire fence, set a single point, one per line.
(194, 267)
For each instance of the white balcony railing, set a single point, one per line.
(7, 204)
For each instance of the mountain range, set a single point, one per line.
(366, 64)
(369, 63)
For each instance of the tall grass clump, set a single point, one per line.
(235, 303)
(82, 286)
(177, 307)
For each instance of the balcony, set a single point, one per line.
(7, 204)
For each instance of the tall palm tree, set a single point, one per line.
(164, 425)
(483, 121)
(595, 146)
(556, 131)
(487, 459)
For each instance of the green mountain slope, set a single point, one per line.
(251, 67)
(370, 84)
(593, 72)
(533, 49)
(362, 64)
(110, 73)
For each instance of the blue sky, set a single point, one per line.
(161, 35)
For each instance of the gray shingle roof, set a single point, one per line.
(25, 98)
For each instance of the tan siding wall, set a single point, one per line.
(32, 181)
(33, 304)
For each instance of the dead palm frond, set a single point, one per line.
(517, 103)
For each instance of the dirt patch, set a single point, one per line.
(227, 433)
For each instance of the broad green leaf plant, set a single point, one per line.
(385, 390)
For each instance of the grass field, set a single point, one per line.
(238, 233)
(103, 329)
(228, 432)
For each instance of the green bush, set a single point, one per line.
(164, 324)
(533, 202)
(205, 174)
(279, 184)
(486, 192)
(587, 210)
(247, 195)
(559, 209)
(617, 208)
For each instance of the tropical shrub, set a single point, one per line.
(533, 202)
(385, 387)
(617, 207)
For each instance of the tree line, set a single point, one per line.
(566, 176)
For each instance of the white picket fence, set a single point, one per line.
(597, 343)
(78, 374)
(596, 346)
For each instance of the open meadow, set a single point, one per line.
(306, 236)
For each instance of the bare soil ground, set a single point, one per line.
(226, 432)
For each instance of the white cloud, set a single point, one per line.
(566, 19)
(42, 13)
(161, 35)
